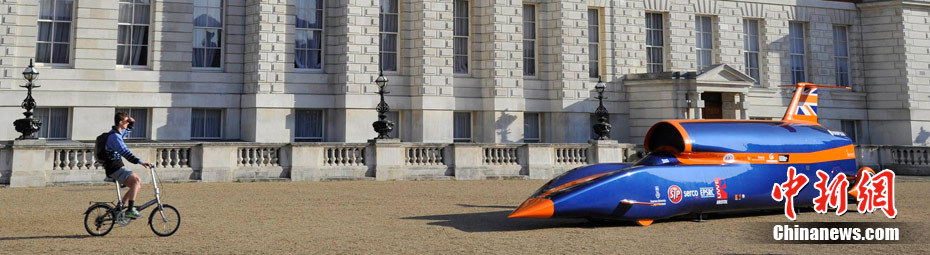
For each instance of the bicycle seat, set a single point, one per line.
(108, 179)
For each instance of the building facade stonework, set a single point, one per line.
(258, 94)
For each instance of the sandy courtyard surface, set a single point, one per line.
(410, 217)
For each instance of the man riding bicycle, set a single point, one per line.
(113, 163)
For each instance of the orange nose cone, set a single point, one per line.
(854, 192)
(534, 208)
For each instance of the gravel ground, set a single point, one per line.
(412, 217)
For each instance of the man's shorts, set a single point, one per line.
(121, 175)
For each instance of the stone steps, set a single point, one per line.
(346, 178)
(99, 183)
(430, 178)
(263, 179)
(506, 177)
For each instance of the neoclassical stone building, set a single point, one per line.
(484, 71)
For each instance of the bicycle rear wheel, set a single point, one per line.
(99, 220)
(167, 225)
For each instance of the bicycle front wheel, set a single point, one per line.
(99, 220)
(166, 221)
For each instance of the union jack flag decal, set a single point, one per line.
(808, 103)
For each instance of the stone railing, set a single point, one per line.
(173, 157)
(258, 156)
(500, 154)
(344, 155)
(424, 155)
(74, 158)
(66, 163)
(910, 155)
(571, 154)
(904, 160)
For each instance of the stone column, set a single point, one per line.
(742, 105)
(498, 63)
(266, 38)
(387, 159)
(566, 69)
(353, 67)
(430, 69)
(29, 163)
(886, 68)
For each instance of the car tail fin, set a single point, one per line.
(803, 107)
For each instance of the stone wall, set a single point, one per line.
(260, 90)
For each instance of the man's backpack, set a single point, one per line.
(100, 148)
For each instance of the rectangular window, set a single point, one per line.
(141, 115)
(308, 45)
(531, 132)
(53, 43)
(655, 42)
(594, 42)
(461, 125)
(851, 128)
(208, 34)
(389, 33)
(206, 123)
(529, 40)
(54, 122)
(705, 41)
(841, 55)
(751, 48)
(309, 125)
(797, 37)
(132, 41)
(394, 117)
(460, 36)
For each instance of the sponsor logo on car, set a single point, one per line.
(707, 192)
(720, 186)
(674, 194)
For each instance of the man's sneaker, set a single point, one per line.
(132, 213)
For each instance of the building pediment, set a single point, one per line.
(723, 74)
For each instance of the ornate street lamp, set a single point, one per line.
(602, 127)
(382, 126)
(28, 125)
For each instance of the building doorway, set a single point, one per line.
(713, 105)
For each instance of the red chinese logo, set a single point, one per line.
(674, 194)
(876, 191)
(832, 196)
(872, 191)
(788, 190)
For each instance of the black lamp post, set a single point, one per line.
(382, 126)
(602, 127)
(28, 125)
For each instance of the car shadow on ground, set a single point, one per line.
(42, 237)
(497, 221)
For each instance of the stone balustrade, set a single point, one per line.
(37, 163)
(910, 155)
(337, 155)
(571, 154)
(74, 158)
